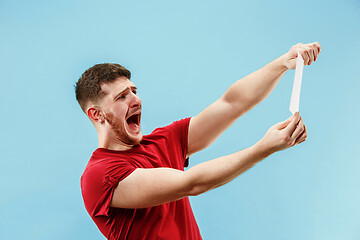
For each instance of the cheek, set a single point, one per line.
(113, 118)
(116, 114)
(116, 124)
(120, 111)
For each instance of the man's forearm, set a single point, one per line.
(217, 172)
(252, 89)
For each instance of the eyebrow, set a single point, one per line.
(131, 88)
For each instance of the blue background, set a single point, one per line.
(183, 56)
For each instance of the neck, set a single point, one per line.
(112, 143)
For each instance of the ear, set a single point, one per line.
(95, 114)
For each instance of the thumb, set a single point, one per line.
(282, 125)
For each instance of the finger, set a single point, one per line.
(292, 125)
(298, 130)
(302, 137)
(308, 57)
(312, 55)
(303, 140)
(316, 51)
(300, 140)
(318, 47)
(304, 55)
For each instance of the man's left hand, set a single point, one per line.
(309, 52)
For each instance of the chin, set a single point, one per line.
(136, 140)
(130, 136)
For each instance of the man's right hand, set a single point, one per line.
(284, 135)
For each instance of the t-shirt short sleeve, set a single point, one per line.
(99, 181)
(181, 130)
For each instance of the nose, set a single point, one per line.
(135, 101)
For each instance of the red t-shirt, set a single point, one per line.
(164, 147)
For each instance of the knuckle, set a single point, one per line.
(288, 142)
(284, 142)
(285, 138)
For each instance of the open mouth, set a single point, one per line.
(134, 121)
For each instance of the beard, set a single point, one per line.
(119, 129)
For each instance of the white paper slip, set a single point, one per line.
(295, 96)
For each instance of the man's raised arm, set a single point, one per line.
(242, 96)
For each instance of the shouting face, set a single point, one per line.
(122, 110)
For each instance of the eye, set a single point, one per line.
(121, 97)
(134, 91)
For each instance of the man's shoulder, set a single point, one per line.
(174, 126)
(103, 160)
(100, 167)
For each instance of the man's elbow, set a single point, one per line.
(195, 189)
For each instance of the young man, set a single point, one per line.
(135, 186)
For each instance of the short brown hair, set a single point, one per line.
(88, 87)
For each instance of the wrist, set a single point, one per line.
(282, 62)
(262, 149)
